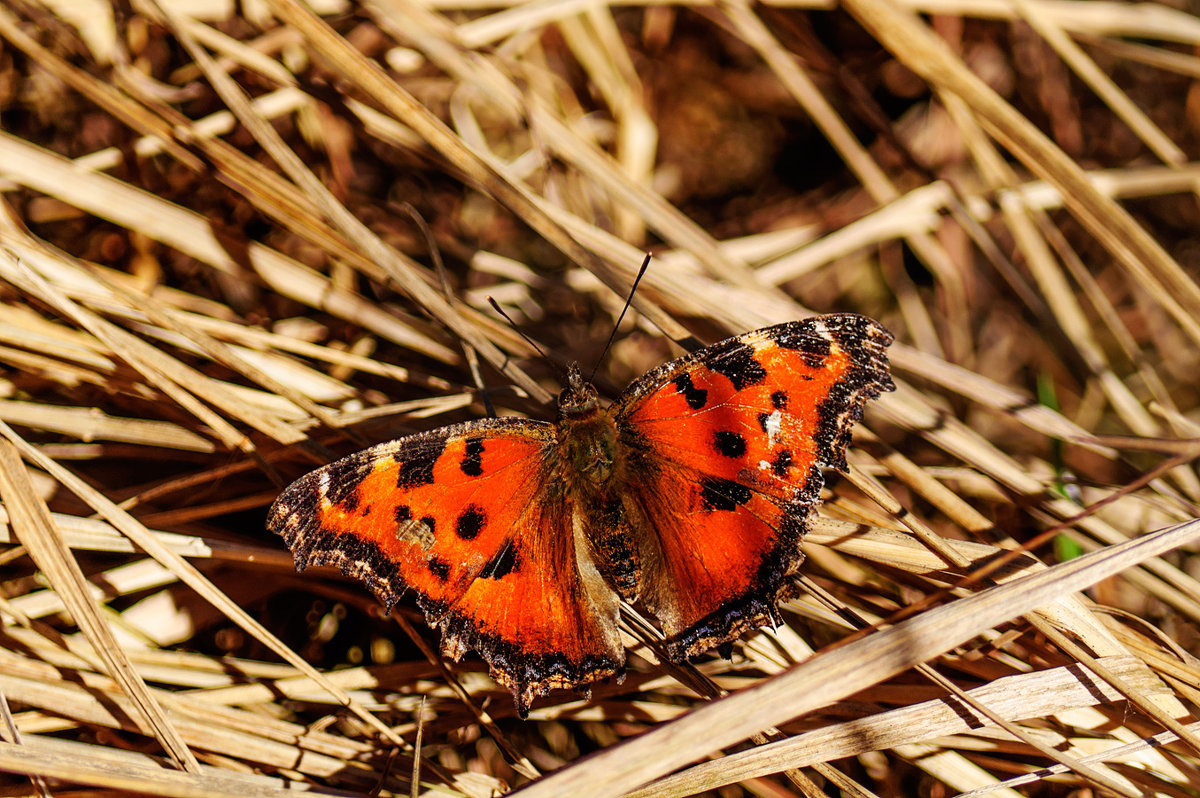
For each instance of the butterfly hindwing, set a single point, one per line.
(472, 518)
(726, 448)
(545, 619)
(714, 565)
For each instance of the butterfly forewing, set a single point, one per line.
(725, 450)
(419, 512)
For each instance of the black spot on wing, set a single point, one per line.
(781, 463)
(403, 515)
(729, 444)
(439, 568)
(502, 564)
(429, 523)
(350, 503)
(779, 400)
(722, 494)
(736, 362)
(695, 397)
(763, 418)
(472, 462)
(470, 523)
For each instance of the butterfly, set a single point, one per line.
(689, 496)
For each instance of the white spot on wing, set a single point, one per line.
(773, 426)
(323, 489)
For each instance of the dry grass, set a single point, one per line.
(213, 277)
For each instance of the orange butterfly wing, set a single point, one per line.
(472, 518)
(725, 450)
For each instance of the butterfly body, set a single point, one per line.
(690, 495)
(586, 434)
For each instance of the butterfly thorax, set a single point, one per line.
(587, 435)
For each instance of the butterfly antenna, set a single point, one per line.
(628, 301)
(517, 330)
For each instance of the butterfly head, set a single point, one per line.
(579, 398)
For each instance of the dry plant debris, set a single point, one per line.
(221, 263)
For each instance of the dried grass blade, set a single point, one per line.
(144, 574)
(1135, 750)
(103, 94)
(879, 186)
(92, 423)
(96, 535)
(30, 518)
(912, 214)
(1133, 20)
(1104, 86)
(911, 41)
(1158, 57)
(1027, 695)
(406, 275)
(369, 77)
(74, 768)
(659, 214)
(1156, 575)
(832, 676)
(224, 731)
(177, 227)
(1137, 698)
(175, 379)
(276, 104)
(188, 574)
(1030, 228)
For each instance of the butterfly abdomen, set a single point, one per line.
(612, 542)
